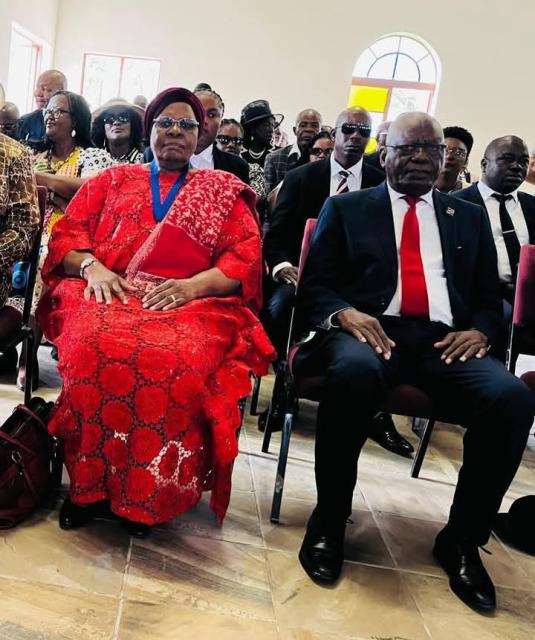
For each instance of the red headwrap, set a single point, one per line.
(167, 97)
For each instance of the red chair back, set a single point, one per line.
(310, 226)
(524, 307)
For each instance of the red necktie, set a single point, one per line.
(414, 299)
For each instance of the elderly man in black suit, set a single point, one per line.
(511, 212)
(303, 193)
(32, 125)
(401, 284)
(278, 163)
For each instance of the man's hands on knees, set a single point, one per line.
(288, 275)
(463, 345)
(365, 328)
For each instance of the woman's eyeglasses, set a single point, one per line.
(110, 118)
(228, 139)
(186, 124)
(54, 113)
(318, 151)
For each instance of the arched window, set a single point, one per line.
(397, 73)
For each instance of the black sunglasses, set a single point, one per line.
(166, 122)
(223, 139)
(349, 128)
(122, 117)
(430, 148)
(318, 151)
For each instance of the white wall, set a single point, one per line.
(37, 16)
(300, 53)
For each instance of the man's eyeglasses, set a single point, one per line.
(431, 148)
(228, 139)
(349, 128)
(186, 124)
(55, 113)
(456, 152)
(318, 151)
(123, 118)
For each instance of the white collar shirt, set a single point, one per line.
(431, 252)
(203, 160)
(354, 180)
(514, 209)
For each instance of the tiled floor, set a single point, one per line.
(195, 580)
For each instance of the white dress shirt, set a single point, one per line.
(203, 160)
(354, 180)
(514, 209)
(295, 150)
(431, 252)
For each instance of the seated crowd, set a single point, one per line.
(168, 275)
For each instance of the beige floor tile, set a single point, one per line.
(411, 542)
(305, 634)
(207, 575)
(38, 612)
(405, 496)
(367, 602)
(447, 617)
(241, 523)
(363, 542)
(242, 477)
(166, 621)
(92, 558)
(299, 481)
(525, 562)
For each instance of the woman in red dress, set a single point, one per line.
(154, 288)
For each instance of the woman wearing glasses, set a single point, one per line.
(68, 160)
(230, 139)
(118, 128)
(321, 146)
(154, 286)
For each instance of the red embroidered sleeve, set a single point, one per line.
(239, 253)
(74, 231)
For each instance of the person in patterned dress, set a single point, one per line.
(19, 221)
(154, 308)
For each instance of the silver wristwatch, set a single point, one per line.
(86, 262)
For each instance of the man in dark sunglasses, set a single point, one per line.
(302, 195)
(9, 120)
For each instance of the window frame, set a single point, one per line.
(122, 59)
(392, 83)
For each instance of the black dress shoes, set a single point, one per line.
(136, 529)
(469, 579)
(384, 432)
(9, 361)
(72, 516)
(322, 554)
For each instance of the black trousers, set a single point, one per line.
(277, 313)
(497, 411)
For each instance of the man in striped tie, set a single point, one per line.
(401, 284)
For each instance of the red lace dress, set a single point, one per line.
(149, 407)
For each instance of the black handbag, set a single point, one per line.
(26, 451)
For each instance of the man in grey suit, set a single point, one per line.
(278, 163)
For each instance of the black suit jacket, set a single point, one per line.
(373, 160)
(353, 261)
(222, 160)
(527, 202)
(302, 195)
(32, 129)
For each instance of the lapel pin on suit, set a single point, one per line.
(450, 211)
